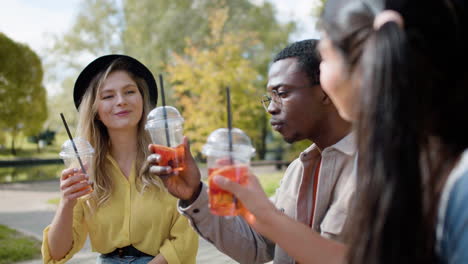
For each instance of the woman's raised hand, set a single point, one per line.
(74, 184)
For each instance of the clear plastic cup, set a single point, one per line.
(233, 165)
(85, 151)
(167, 135)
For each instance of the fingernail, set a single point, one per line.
(90, 182)
(75, 170)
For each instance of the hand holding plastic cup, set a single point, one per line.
(167, 134)
(85, 153)
(233, 165)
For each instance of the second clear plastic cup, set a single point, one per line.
(86, 153)
(233, 165)
(167, 135)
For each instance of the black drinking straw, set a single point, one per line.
(73, 143)
(166, 126)
(229, 120)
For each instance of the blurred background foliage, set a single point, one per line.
(200, 47)
(23, 105)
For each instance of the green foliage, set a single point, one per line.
(29, 150)
(152, 31)
(293, 150)
(16, 247)
(48, 136)
(317, 8)
(270, 181)
(2, 139)
(63, 103)
(201, 75)
(23, 97)
(155, 29)
(97, 30)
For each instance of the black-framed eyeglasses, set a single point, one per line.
(273, 96)
(276, 96)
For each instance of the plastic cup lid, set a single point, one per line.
(218, 144)
(155, 118)
(83, 146)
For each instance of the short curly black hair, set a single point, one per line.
(307, 55)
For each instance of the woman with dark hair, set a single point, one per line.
(128, 214)
(390, 67)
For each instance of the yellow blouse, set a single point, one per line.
(148, 221)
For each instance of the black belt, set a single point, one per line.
(127, 251)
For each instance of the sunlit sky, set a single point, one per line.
(34, 22)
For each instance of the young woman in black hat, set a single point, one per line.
(129, 216)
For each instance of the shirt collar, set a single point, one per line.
(115, 166)
(347, 145)
(310, 152)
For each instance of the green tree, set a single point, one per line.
(165, 25)
(199, 78)
(154, 30)
(317, 7)
(23, 104)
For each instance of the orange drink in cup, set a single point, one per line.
(165, 126)
(221, 201)
(85, 152)
(172, 157)
(233, 164)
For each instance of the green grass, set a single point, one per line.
(54, 201)
(15, 246)
(270, 181)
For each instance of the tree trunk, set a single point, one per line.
(262, 145)
(13, 150)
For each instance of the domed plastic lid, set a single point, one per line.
(83, 146)
(155, 118)
(218, 144)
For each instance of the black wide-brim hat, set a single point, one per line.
(102, 63)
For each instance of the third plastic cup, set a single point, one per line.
(233, 165)
(85, 152)
(167, 134)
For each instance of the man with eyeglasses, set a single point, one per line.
(317, 186)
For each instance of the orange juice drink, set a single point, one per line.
(86, 154)
(165, 126)
(173, 157)
(228, 154)
(222, 202)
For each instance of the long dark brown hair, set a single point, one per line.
(411, 106)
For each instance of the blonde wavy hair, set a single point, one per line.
(93, 130)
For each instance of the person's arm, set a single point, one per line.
(159, 259)
(234, 236)
(298, 240)
(455, 237)
(59, 236)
